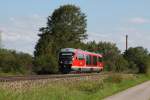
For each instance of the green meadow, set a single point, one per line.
(82, 89)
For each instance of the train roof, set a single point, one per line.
(78, 50)
(68, 50)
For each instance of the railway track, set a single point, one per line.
(38, 77)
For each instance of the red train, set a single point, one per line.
(78, 60)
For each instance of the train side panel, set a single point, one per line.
(85, 61)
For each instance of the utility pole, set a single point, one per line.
(126, 42)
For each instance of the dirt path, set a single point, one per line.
(139, 92)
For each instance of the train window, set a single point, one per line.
(88, 59)
(100, 59)
(66, 54)
(94, 60)
(80, 56)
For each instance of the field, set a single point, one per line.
(69, 89)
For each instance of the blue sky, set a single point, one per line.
(108, 20)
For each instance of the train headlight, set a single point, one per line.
(72, 58)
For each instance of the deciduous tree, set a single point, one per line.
(66, 27)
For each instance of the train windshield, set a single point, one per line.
(66, 55)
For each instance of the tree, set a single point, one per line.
(66, 27)
(138, 59)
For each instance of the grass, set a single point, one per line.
(14, 73)
(84, 89)
(9, 74)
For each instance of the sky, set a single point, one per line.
(107, 20)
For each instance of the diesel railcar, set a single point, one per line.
(71, 59)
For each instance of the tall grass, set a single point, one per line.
(84, 89)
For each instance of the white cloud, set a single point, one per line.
(139, 20)
(136, 37)
(20, 33)
(116, 37)
(12, 19)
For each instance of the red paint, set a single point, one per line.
(76, 62)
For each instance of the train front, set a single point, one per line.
(65, 59)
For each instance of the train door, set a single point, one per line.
(88, 61)
(94, 61)
(81, 59)
(100, 62)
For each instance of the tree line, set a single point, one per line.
(13, 62)
(67, 27)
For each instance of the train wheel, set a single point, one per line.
(99, 70)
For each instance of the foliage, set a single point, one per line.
(11, 61)
(66, 27)
(89, 86)
(43, 64)
(114, 78)
(138, 59)
(121, 64)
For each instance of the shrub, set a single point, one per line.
(120, 64)
(114, 78)
(146, 66)
(45, 64)
(11, 61)
(138, 59)
(90, 86)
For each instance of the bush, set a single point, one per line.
(144, 66)
(132, 67)
(138, 59)
(114, 78)
(11, 61)
(90, 86)
(120, 64)
(45, 64)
